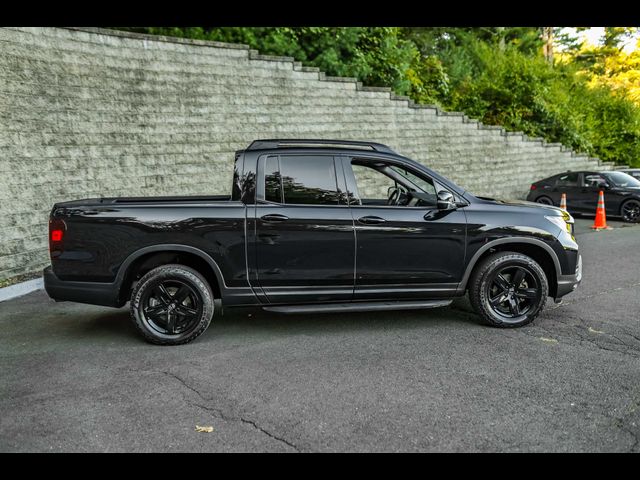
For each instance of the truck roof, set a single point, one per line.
(275, 144)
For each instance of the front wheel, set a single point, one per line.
(544, 200)
(172, 305)
(630, 211)
(508, 289)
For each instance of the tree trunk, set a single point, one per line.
(547, 46)
(501, 41)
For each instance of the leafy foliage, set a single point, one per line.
(496, 74)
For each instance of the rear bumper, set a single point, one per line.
(94, 293)
(568, 283)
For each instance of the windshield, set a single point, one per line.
(621, 179)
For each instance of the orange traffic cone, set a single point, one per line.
(563, 202)
(600, 222)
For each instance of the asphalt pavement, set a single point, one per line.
(78, 378)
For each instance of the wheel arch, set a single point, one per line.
(542, 253)
(147, 258)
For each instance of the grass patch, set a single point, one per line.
(19, 278)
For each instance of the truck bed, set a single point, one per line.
(91, 202)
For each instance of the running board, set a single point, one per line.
(358, 306)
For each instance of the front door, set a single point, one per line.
(592, 183)
(406, 248)
(305, 241)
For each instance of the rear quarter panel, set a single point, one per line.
(98, 239)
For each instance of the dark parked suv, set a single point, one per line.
(311, 226)
(621, 192)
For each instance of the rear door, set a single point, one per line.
(305, 237)
(569, 184)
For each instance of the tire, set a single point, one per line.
(172, 305)
(493, 281)
(630, 211)
(544, 200)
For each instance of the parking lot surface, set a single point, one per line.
(78, 378)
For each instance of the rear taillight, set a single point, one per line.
(57, 229)
(533, 186)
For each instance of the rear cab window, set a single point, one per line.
(301, 180)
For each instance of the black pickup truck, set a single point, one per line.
(311, 226)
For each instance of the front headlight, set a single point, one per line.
(565, 222)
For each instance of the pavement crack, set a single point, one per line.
(219, 414)
(173, 375)
(583, 326)
(619, 423)
(577, 338)
(269, 434)
(597, 294)
(535, 329)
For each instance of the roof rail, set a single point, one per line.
(289, 143)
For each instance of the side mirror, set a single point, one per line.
(446, 201)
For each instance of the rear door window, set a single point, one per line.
(301, 180)
(272, 180)
(567, 180)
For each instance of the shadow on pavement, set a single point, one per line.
(107, 325)
(245, 323)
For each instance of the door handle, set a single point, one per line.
(371, 220)
(274, 218)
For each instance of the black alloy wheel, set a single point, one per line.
(508, 289)
(544, 201)
(513, 291)
(172, 305)
(630, 211)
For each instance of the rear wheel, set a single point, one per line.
(630, 211)
(172, 305)
(544, 200)
(508, 289)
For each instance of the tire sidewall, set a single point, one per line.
(499, 261)
(172, 272)
(637, 202)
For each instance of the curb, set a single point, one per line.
(20, 289)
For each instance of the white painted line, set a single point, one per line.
(20, 289)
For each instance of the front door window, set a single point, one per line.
(377, 183)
